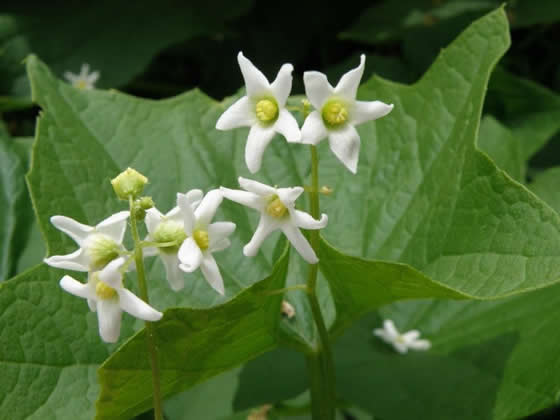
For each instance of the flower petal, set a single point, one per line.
(390, 328)
(420, 345)
(109, 316)
(174, 275)
(84, 70)
(300, 243)
(313, 130)
(348, 84)
(289, 195)
(367, 111)
(93, 77)
(259, 138)
(194, 197)
(219, 231)
(152, 219)
(381, 333)
(287, 125)
(187, 212)
(255, 82)
(190, 255)
(400, 347)
(265, 227)
(133, 305)
(71, 77)
(244, 198)
(317, 88)
(304, 220)
(239, 114)
(207, 207)
(111, 273)
(76, 288)
(212, 274)
(345, 144)
(77, 231)
(77, 260)
(220, 245)
(282, 85)
(255, 186)
(410, 336)
(114, 226)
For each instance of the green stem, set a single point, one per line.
(320, 364)
(150, 338)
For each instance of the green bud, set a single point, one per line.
(129, 183)
(146, 203)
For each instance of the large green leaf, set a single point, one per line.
(546, 185)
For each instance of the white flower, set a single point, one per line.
(277, 212)
(263, 109)
(401, 342)
(106, 295)
(337, 112)
(84, 80)
(99, 245)
(169, 228)
(203, 237)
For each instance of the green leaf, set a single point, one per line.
(546, 185)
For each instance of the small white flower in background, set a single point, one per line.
(277, 209)
(107, 296)
(263, 109)
(203, 237)
(288, 310)
(84, 80)
(99, 245)
(401, 342)
(169, 228)
(337, 112)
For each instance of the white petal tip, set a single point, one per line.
(187, 268)
(249, 252)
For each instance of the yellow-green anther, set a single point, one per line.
(266, 110)
(169, 231)
(102, 250)
(276, 208)
(201, 239)
(104, 291)
(129, 183)
(334, 113)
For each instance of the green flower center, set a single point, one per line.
(102, 250)
(266, 110)
(334, 113)
(276, 208)
(201, 238)
(104, 291)
(170, 231)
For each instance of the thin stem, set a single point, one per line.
(320, 363)
(286, 289)
(150, 338)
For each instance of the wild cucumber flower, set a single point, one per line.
(401, 342)
(107, 295)
(203, 237)
(84, 80)
(277, 209)
(99, 245)
(170, 228)
(263, 109)
(337, 112)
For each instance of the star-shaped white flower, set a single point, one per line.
(203, 237)
(98, 244)
(84, 80)
(169, 228)
(108, 297)
(277, 209)
(337, 112)
(263, 109)
(401, 342)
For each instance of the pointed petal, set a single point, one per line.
(390, 328)
(348, 84)
(265, 227)
(255, 82)
(299, 242)
(84, 70)
(239, 114)
(76, 288)
(287, 125)
(304, 220)
(345, 144)
(187, 212)
(368, 111)
(400, 347)
(111, 273)
(77, 231)
(93, 77)
(381, 333)
(133, 305)
(411, 336)
(288, 196)
(259, 138)
(212, 274)
(109, 316)
(317, 88)
(420, 345)
(244, 198)
(174, 275)
(219, 231)
(114, 226)
(282, 85)
(206, 210)
(190, 255)
(77, 261)
(152, 219)
(71, 77)
(255, 186)
(220, 245)
(313, 130)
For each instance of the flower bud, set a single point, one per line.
(129, 183)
